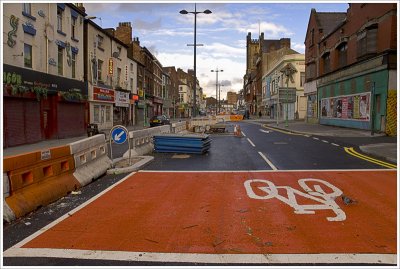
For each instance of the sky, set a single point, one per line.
(166, 33)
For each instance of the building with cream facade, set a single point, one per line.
(43, 88)
(107, 76)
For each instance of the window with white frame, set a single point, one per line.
(27, 9)
(60, 19)
(73, 27)
(73, 65)
(100, 41)
(119, 71)
(99, 69)
(302, 79)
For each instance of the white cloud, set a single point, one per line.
(300, 48)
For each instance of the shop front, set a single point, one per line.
(101, 107)
(157, 106)
(359, 102)
(40, 106)
(121, 108)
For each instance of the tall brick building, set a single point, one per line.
(351, 67)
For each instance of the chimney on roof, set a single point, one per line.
(124, 32)
(80, 7)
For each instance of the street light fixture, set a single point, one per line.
(216, 87)
(195, 12)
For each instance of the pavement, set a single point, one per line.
(378, 144)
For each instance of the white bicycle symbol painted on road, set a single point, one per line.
(324, 200)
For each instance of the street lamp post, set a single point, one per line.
(216, 86)
(195, 12)
(219, 97)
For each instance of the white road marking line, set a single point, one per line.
(243, 134)
(251, 142)
(316, 138)
(336, 145)
(324, 141)
(263, 171)
(335, 258)
(268, 161)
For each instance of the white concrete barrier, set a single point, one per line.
(142, 140)
(91, 159)
(178, 127)
(8, 214)
(202, 122)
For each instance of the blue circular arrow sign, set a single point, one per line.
(119, 134)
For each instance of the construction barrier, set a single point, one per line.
(36, 179)
(91, 158)
(178, 127)
(8, 214)
(236, 117)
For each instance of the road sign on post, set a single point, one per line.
(119, 134)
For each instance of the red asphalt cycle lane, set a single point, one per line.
(246, 212)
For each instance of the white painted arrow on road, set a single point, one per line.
(265, 131)
(117, 137)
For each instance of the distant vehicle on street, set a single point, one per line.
(159, 120)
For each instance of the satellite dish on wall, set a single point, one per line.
(115, 54)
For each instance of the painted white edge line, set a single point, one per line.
(243, 134)
(336, 145)
(324, 141)
(248, 139)
(262, 171)
(347, 258)
(316, 138)
(268, 161)
(70, 213)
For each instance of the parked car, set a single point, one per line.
(159, 120)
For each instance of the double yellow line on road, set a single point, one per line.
(354, 153)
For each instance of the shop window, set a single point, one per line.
(27, 55)
(60, 63)
(96, 114)
(108, 113)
